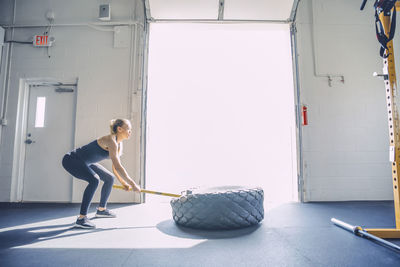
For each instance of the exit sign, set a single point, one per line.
(41, 40)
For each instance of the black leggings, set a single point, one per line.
(92, 174)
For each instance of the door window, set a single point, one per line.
(40, 111)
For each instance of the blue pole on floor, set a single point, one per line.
(357, 230)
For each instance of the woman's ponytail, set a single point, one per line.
(114, 124)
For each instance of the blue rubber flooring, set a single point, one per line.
(292, 234)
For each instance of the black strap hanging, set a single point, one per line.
(386, 7)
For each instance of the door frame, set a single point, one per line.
(18, 166)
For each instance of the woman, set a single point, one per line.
(82, 163)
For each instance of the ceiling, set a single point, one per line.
(230, 9)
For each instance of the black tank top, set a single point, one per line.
(91, 153)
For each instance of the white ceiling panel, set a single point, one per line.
(184, 9)
(257, 9)
(208, 9)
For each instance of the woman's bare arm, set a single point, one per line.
(120, 179)
(113, 152)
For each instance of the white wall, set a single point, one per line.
(105, 85)
(6, 11)
(5, 18)
(346, 144)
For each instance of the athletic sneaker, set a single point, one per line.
(105, 214)
(84, 223)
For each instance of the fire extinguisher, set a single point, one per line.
(304, 115)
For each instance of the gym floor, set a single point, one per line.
(292, 234)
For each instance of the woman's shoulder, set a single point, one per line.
(106, 141)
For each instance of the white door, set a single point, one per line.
(49, 135)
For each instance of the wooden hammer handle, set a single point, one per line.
(150, 192)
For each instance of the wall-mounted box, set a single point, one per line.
(105, 12)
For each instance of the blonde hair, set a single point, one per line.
(114, 124)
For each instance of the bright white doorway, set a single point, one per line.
(220, 108)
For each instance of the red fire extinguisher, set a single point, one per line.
(304, 113)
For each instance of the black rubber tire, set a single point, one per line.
(219, 208)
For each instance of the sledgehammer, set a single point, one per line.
(150, 192)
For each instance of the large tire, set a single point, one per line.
(219, 208)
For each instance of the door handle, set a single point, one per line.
(29, 141)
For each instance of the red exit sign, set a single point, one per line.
(40, 40)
